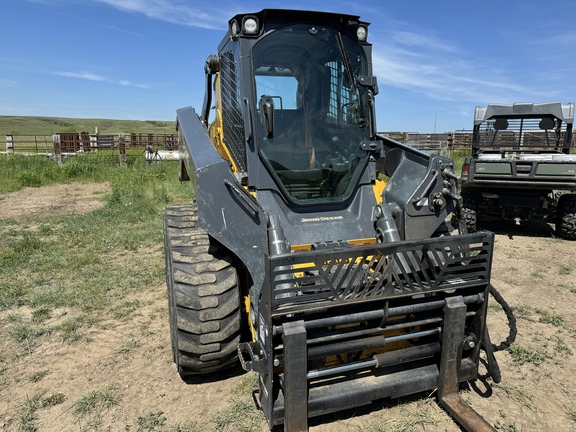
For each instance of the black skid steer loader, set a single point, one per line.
(328, 259)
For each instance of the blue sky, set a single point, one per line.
(142, 59)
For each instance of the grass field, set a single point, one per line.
(79, 244)
(18, 171)
(23, 125)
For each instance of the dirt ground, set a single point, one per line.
(59, 199)
(535, 273)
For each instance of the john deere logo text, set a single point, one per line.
(322, 219)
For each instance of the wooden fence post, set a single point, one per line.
(9, 144)
(57, 149)
(122, 149)
(450, 142)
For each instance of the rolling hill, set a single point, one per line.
(30, 125)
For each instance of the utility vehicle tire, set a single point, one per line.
(566, 214)
(203, 295)
(469, 211)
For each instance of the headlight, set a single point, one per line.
(361, 33)
(250, 25)
(234, 29)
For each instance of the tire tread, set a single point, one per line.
(203, 294)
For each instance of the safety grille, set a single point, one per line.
(515, 134)
(355, 274)
(231, 110)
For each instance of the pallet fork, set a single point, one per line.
(448, 396)
(296, 375)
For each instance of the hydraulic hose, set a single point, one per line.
(489, 348)
(511, 320)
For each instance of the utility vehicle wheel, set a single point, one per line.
(470, 207)
(566, 223)
(203, 295)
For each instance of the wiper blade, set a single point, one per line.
(347, 64)
(350, 76)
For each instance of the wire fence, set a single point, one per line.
(159, 146)
(442, 143)
(73, 143)
(152, 146)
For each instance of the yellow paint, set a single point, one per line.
(353, 242)
(336, 360)
(364, 241)
(247, 310)
(216, 131)
(301, 248)
(378, 188)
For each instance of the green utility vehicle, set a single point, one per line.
(521, 167)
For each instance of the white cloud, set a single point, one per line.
(84, 75)
(445, 72)
(94, 77)
(176, 12)
(429, 42)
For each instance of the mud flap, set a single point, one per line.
(451, 357)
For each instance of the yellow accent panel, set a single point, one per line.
(353, 242)
(364, 241)
(247, 308)
(216, 130)
(301, 248)
(378, 188)
(332, 361)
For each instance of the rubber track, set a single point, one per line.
(203, 295)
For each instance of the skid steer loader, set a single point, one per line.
(317, 253)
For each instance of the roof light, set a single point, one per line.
(361, 33)
(234, 30)
(250, 25)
